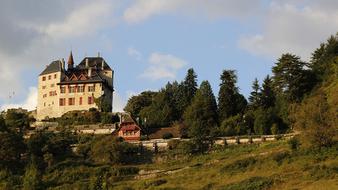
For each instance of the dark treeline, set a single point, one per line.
(270, 108)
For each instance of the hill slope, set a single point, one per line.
(264, 166)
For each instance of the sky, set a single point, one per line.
(151, 42)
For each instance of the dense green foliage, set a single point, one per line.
(201, 116)
(291, 78)
(136, 103)
(230, 102)
(12, 146)
(93, 116)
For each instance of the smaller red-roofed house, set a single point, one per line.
(129, 131)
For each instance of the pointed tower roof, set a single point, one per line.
(70, 59)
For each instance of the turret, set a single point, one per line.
(70, 61)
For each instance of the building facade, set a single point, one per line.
(81, 87)
(129, 131)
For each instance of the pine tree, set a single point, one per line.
(267, 95)
(185, 91)
(323, 58)
(201, 116)
(230, 102)
(254, 95)
(210, 102)
(190, 84)
(290, 77)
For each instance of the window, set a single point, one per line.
(43, 78)
(63, 89)
(55, 76)
(52, 93)
(44, 96)
(44, 104)
(62, 101)
(80, 89)
(90, 100)
(43, 87)
(91, 89)
(80, 101)
(72, 89)
(52, 85)
(49, 77)
(71, 101)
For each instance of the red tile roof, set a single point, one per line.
(129, 126)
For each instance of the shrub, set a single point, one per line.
(294, 143)
(186, 147)
(106, 118)
(32, 178)
(167, 136)
(323, 172)
(280, 157)
(253, 183)
(144, 138)
(154, 183)
(232, 126)
(110, 150)
(239, 165)
(92, 109)
(274, 129)
(172, 144)
(317, 118)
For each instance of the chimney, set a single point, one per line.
(102, 66)
(89, 72)
(98, 54)
(87, 63)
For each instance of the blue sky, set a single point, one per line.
(151, 42)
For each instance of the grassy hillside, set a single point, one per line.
(262, 166)
(265, 166)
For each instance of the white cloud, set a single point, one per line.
(163, 66)
(31, 39)
(134, 53)
(292, 28)
(141, 10)
(85, 20)
(29, 104)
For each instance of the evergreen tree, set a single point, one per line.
(267, 95)
(210, 102)
(324, 57)
(290, 77)
(230, 102)
(186, 91)
(190, 84)
(254, 95)
(201, 116)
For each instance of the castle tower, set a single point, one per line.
(70, 61)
